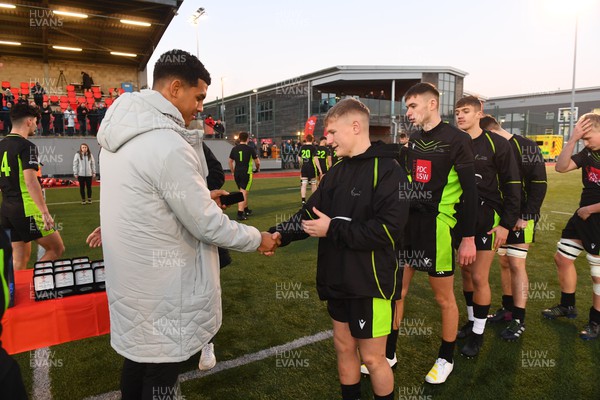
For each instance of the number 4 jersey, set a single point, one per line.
(17, 154)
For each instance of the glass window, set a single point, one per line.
(265, 111)
(240, 115)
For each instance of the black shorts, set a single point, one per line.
(308, 171)
(428, 244)
(243, 180)
(524, 236)
(587, 231)
(25, 229)
(487, 218)
(367, 317)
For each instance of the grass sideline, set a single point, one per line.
(272, 301)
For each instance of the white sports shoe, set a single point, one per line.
(392, 362)
(439, 372)
(207, 358)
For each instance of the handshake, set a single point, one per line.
(269, 243)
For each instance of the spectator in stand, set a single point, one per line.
(38, 94)
(86, 81)
(46, 114)
(264, 149)
(70, 120)
(22, 99)
(82, 112)
(209, 125)
(9, 97)
(6, 117)
(84, 170)
(93, 117)
(101, 114)
(382, 95)
(59, 124)
(220, 130)
(369, 95)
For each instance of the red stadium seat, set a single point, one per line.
(81, 99)
(121, 91)
(95, 89)
(64, 99)
(5, 85)
(88, 95)
(24, 85)
(108, 101)
(15, 91)
(97, 95)
(25, 91)
(54, 99)
(45, 98)
(70, 88)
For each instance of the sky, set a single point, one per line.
(507, 47)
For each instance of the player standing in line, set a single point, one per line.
(440, 160)
(24, 210)
(358, 217)
(499, 191)
(310, 168)
(582, 232)
(242, 156)
(324, 156)
(513, 255)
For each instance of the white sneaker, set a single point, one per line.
(392, 362)
(207, 358)
(439, 372)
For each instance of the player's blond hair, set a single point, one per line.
(347, 106)
(594, 118)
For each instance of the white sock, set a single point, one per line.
(470, 313)
(479, 325)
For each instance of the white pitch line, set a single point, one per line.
(237, 362)
(68, 202)
(41, 374)
(561, 212)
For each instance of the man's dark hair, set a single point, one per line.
(181, 65)
(470, 101)
(489, 123)
(21, 110)
(422, 88)
(243, 136)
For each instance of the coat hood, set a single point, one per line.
(379, 149)
(133, 114)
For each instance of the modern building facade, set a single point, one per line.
(279, 111)
(542, 113)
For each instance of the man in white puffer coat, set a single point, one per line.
(161, 228)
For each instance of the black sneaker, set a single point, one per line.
(502, 314)
(559, 311)
(473, 345)
(242, 217)
(513, 331)
(590, 331)
(465, 330)
(247, 212)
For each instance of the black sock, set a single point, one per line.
(567, 299)
(480, 311)
(390, 346)
(388, 397)
(508, 302)
(304, 199)
(594, 315)
(447, 351)
(351, 392)
(240, 213)
(519, 313)
(468, 298)
(246, 209)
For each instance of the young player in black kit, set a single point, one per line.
(583, 229)
(310, 168)
(439, 158)
(498, 209)
(24, 210)
(242, 156)
(324, 156)
(513, 255)
(359, 220)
